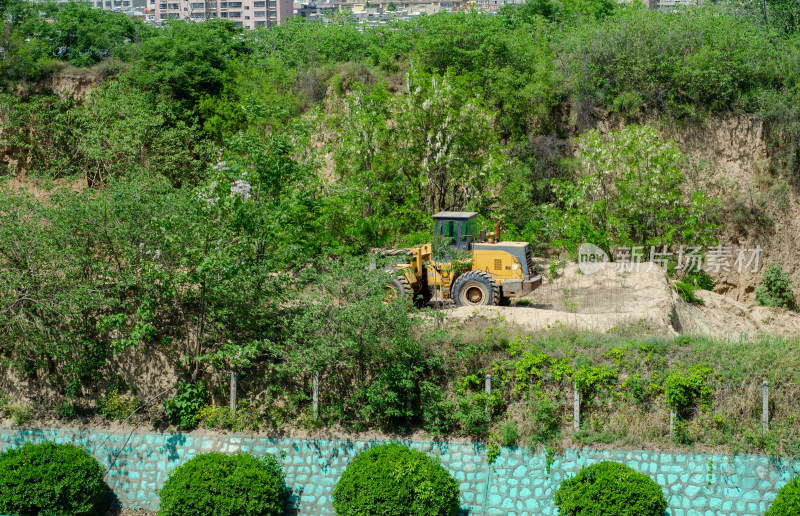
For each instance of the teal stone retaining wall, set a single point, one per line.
(519, 483)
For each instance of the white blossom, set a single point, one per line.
(241, 187)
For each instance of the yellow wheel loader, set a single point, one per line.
(469, 266)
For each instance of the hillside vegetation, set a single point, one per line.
(207, 205)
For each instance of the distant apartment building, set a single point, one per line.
(427, 6)
(118, 5)
(672, 4)
(114, 5)
(493, 5)
(244, 13)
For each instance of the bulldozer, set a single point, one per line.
(462, 263)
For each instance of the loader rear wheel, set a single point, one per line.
(399, 288)
(475, 288)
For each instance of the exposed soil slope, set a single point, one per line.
(636, 301)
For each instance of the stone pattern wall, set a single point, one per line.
(519, 483)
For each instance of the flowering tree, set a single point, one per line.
(402, 157)
(633, 190)
(447, 149)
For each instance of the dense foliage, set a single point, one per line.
(776, 288)
(393, 480)
(788, 500)
(48, 478)
(206, 195)
(610, 488)
(228, 485)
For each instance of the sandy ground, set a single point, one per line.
(722, 316)
(639, 301)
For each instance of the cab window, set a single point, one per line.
(447, 229)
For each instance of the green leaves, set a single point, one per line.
(788, 500)
(83, 35)
(401, 157)
(634, 192)
(50, 478)
(187, 60)
(224, 485)
(183, 408)
(776, 288)
(393, 480)
(685, 388)
(706, 60)
(610, 488)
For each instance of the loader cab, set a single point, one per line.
(456, 229)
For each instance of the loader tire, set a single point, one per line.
(399, 288)
(475, 288)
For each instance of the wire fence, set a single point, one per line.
(676, 414)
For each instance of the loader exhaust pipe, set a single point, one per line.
(497, 232)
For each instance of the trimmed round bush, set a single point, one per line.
(224, 485)
(49, 478)
(787, 503)
(394, 480)
(610, 489)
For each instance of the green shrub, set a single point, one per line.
(684, 389)
(385, 397)
(591, 379)
(509, 433)
(183, 408)
(542, 421)
(471, 414)
(20, 415)
(225, 485)
(393, 480)
(776, 288)
(610, 488)
(686, 292)
(437, 411)
(117, 406)
(66, 409)
(787, 503)
(699, 279)
(48, 478)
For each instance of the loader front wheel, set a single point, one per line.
(475, 288)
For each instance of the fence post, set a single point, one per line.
(576, 409)
(765, 406)
(488, 387)
(672, 415)
(315, 396)
(234, 379)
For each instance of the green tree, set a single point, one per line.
(188, 60)
(83, 35)
(123, 135)
(402, 157)
(343, 329)
(633, 190)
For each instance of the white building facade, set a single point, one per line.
(244, 13)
